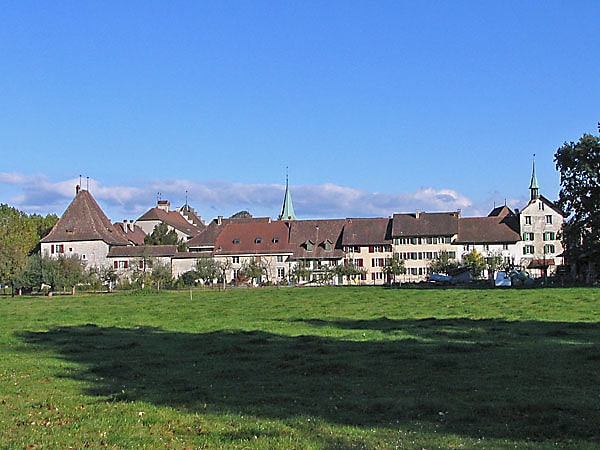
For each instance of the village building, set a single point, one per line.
(317, 248)
(184, 221)
(367, 244)
(541, 223)
(528, 239)
(263, 243)
(420, 237)
(493, 236)
(84, 231)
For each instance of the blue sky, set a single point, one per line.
(376, 107)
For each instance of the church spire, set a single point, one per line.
(287, 212)
(534, 187)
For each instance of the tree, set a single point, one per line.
(207, 269)
(241, 215)
(162, 235)
(18, 239)
(579, 198)
(444, 263)
(493, 263)
(161, 275)
(349, 270)
(301, 271)
(393, 267)
(253, 270)
(475, 262)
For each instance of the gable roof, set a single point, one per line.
(548, 203)
(253, 238)
(209, 235)
(425, 224)
(486, 230)
(84, 220)
(367, 231)
(142, 251)
(171, 218)
(316, 232)
(133, 233)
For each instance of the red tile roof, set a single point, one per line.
(253, 238)
(367, 231)
(486, 230)
(133, 233)
(317, 232)
(142, 251)
(209, 235)
(84, 220)
(171, 218)
(425, 224)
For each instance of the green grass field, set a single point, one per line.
(310, 368)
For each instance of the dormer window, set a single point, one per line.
(275, 240)
(327, 245)
(258, 240)
(236, 241)
(309, 245)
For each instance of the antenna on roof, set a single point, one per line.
(158, 194)
(87, 183)
(186, 198)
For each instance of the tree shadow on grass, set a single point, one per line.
(493, 378)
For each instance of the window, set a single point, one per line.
(122, 264)
(549, 236)
(541, 206)
(504, 246)
(309, 246)
(281, 272)
(377, 262)
(235, 259)
(358, 262)
(279, 258)
(327, 245)
(414, 271)
(527, 220)
(258, 240)
(58, 248)
(549, 248)
(528, 250)
(377, 276)
(236, 241)
(275, 240)
(235, 273)
(527, 236)
(549, 219)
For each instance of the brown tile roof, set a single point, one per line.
(253, 238)
(142, 250)
(486, 230)
(171, 218)
(208, 236)
(365, 231)
(84, 220)
(317, 232)
(135, 235)
(425, 224)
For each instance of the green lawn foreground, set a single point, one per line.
(302, 368)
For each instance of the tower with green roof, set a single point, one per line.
(534, 187)
(287, 212)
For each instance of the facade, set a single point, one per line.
(528, 239)
(419, 238)
(83, 231)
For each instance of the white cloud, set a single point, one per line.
(41, 195)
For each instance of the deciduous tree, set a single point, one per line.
(579, 197)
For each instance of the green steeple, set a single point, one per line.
(287, 212)
(534, 187)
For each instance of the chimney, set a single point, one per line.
(459, 212)
(417, 214)
(125, 226)
(219, 220)
(164, 205)
(77, 189)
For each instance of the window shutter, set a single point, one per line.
(116, 265)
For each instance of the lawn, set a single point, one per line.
(302, 368)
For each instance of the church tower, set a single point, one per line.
(287, 212)
(534, 187)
